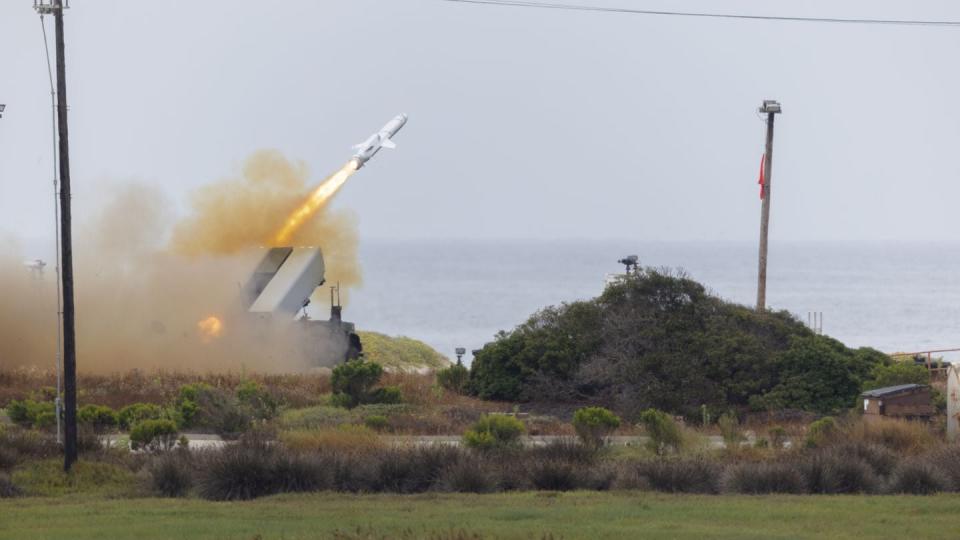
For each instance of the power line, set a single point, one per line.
(576, 7)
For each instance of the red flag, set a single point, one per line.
(761, 181)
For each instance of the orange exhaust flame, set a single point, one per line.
(314, 202)
(210, 329)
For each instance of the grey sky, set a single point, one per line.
(523, 123)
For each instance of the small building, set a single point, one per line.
(909, 401)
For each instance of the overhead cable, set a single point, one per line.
(632, 11)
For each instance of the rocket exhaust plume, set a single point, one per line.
(159, 290)
(317, 200)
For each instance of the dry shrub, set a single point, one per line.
(554, 475)
(697, 475)
(254, 468)
(630, 476)
(17, 445)
(414, 470)
(918, 477)
(831, 471)
(562, 475)
(880, 458)
(759, 478)
(238, 472)
(354, 472)
(300, 473)
(345, 438)
(172, 474)
(420, 423)
(900, 436)
(566, 449)
(470, 475)
(947, 460)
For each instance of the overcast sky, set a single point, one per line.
(524, 123)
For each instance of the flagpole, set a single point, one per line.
(771, 108)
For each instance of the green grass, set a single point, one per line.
(401, 352)
(517, 515)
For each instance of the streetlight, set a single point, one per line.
(460, 352)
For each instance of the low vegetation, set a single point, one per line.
(401, 353)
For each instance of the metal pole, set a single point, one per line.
(58, 402)
(66, 255)
(771, 108)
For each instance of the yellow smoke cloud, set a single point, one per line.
(143, 280)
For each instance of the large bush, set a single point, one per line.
(594, 424)
(493, 431)
(97, 417)
(454, 378)
(353, 382)
(664, 434)
(257, 401)
(204, 407)
(138, 412)
(154, 435)
(30, 413)
(659, 340)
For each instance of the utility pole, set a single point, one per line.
(771, 108)
(56, 7)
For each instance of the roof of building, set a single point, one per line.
(892, 390)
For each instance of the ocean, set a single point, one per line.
(896, 297)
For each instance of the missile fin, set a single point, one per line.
(387, 143)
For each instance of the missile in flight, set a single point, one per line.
(381, 139)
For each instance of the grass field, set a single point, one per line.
(516, 515)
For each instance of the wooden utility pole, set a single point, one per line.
(771, 108)
(66, 254)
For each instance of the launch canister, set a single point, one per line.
(381, 139)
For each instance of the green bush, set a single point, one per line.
(388, 395)
(821, 431)
(664, 433)
(138, 412)
(154, 435)
(594, 424)
(30, 413)
(353, 381)
(98, 417)
(258, 401)
(376, 422)
(201, 406)
(454, 378)
(494, 431)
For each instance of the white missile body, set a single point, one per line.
(381, 139)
